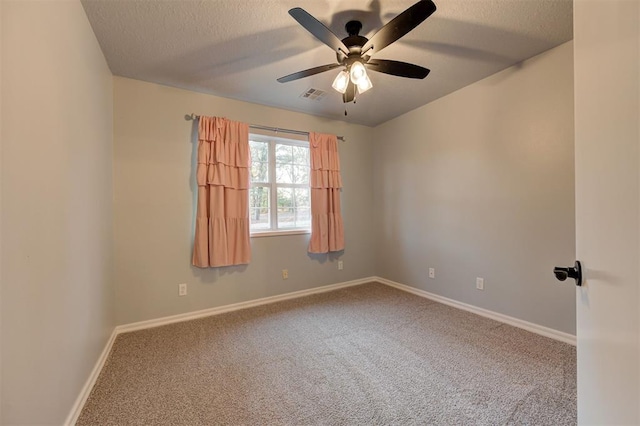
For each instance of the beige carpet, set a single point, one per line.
(364, 355)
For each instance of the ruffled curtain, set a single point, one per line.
(327, 230)
(222, 220)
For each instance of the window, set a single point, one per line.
(279, 198)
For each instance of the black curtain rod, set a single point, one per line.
(273, 129)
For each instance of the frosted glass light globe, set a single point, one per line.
(358, 72)
(341, 82)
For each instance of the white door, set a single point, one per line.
(607, 149)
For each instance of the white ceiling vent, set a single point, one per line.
(313, 94)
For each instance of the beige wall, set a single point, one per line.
(480, 183)
(155, 202)
(56, 223)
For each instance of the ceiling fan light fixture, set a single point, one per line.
(354, 51)
(364, 84)
(341, 81)
(358, 72)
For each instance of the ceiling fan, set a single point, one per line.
(354, 52)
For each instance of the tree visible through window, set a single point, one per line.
(279, 198)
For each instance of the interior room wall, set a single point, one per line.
(480, 183)
(155, 206)
(56, 221)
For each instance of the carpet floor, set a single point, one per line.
(369, 355)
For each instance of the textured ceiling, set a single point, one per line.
(237, 49)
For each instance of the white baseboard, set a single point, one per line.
(529, 326)
(237, 306)
(86, 390)
(72, 418)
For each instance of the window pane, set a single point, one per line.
(259, 161)
(285, 208)
(284, 153)
(284, 163)
(285, 198)
(302, 197)
(259, 151)
(259, 172)
(302, 214)
(300, 174)
(303, 217)
(294, 208)
(287, 164)
(301, 155)
(284, 173)
(259, 208)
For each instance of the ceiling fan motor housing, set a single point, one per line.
(353, 27)
(354, 41)
(355, 51)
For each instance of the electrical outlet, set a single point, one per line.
(340, 265)
(480, 283)
(182, 289)
(285, 274)
(432, 272)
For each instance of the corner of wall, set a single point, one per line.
(489, 196)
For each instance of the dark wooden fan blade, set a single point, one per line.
(318, 29)
(307, 73)
(401, 69)
(350, 94)
(399, 26)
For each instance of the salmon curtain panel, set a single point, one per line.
(222, 219)
(327, 230)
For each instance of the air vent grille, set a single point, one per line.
(313, 94)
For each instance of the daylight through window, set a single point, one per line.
(279, 198)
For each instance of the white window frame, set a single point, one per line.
(273, 185)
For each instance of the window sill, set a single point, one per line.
(279, 233)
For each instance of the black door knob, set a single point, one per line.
(575, 272)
